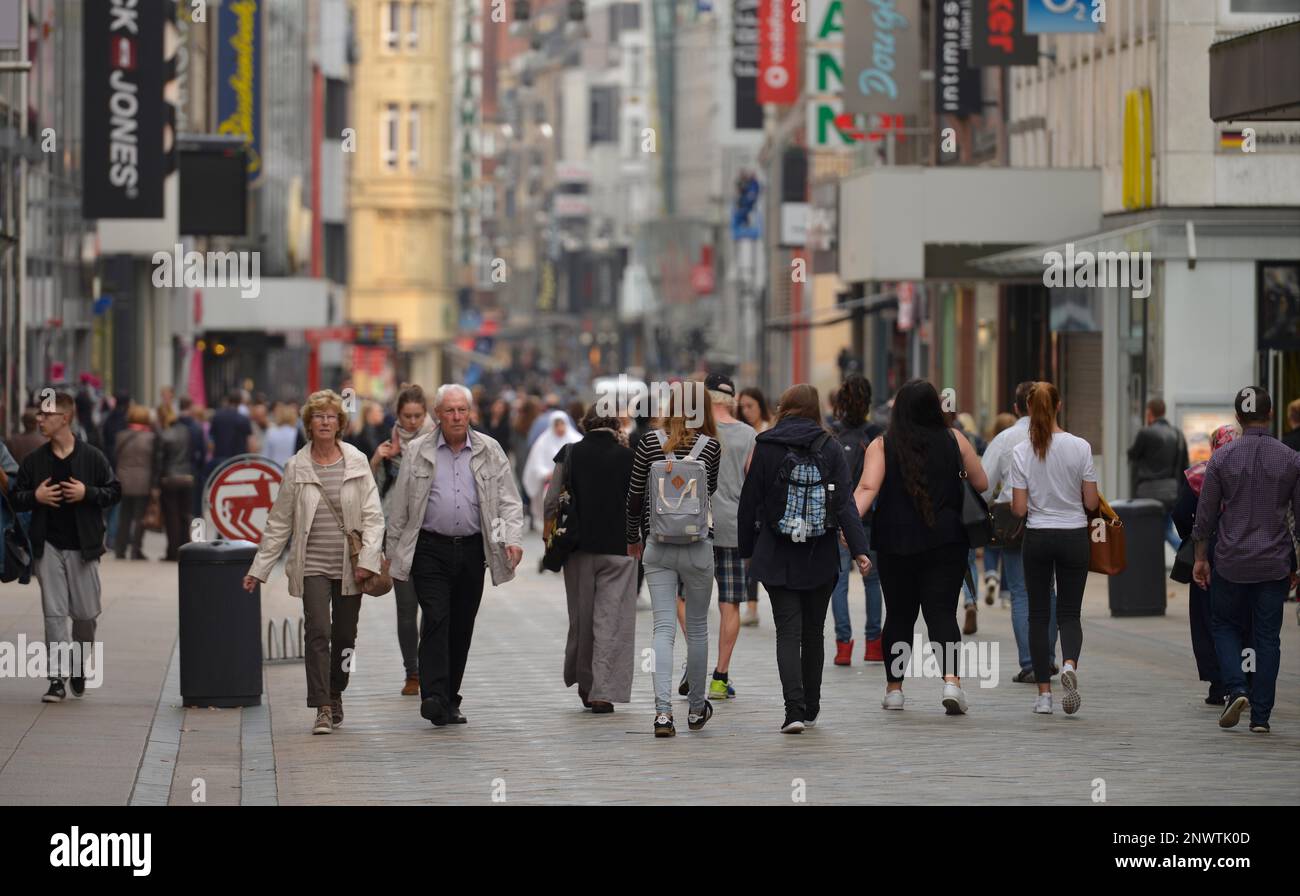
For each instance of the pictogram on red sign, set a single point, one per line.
(239, 496)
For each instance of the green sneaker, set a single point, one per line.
(721, 690)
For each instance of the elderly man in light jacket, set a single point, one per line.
(455, 511)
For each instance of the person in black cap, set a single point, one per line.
(737, 439)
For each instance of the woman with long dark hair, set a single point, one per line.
(854, 431)
(798, 475)
(1054, 485)
(914, 476)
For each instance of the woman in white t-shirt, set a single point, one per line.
(1054, 484)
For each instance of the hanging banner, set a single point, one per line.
(882, 57)
(122, 110)
(239, 77)
(778, 53)
(958, 88)
(997, 36)
(748, 113)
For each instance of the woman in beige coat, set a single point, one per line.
(328, 490)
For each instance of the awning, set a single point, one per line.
(1170, 234)
(1256, 76)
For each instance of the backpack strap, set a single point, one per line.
(818, 445)
(701, 442)
(662, 438)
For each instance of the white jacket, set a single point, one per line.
(295, 508)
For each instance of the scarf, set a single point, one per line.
(1196, 473)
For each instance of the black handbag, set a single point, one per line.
(975, 516)
(563, 538)
(1008, 529)
(1184, 561)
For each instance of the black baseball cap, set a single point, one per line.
(720, 382)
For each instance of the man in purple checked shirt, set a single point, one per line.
(1250, 484)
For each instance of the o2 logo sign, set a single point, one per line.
(1064, 16)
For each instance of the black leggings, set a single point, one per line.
(928, 582)
(1065, 555)
(800, 617)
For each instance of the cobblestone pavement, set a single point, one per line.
(1143, 729)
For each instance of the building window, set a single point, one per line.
(388, 127)
(336, 108)
(392, 25)
(604, 115)
(413, 138)
(413, 34)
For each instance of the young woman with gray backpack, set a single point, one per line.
(674, 474)
(796, 503)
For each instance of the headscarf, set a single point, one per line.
(541, 457)
(1220, 437)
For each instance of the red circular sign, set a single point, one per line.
(240, 494)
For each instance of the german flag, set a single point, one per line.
(1230, 139)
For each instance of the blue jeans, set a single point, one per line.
(1013, 565)
(971, 596)
(664, 565)
(840, 597)
(1171, 534)
(1234, 607)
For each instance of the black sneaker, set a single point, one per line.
(1214, 698)
(664, 725)
(1025, 676)
(1236, 704)
(810, 718)
(57, 693)
(78, 686)
(793, 724)
(1259, 727)
(685, 687)
(697, 720)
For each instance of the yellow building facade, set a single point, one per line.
(400, 198)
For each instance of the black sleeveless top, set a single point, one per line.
(898, 527)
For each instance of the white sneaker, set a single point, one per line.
(1070, 681)
(992, 583)
(954, 699)
(893, 700)
(1043, 704)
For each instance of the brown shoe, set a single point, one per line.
(324, 721)
(336, 710)
(969, 627)
(412, 686)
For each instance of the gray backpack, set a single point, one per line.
(679, 495)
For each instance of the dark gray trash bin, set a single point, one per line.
(220, 625)
(1140, 590)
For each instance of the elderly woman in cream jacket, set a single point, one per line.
(328, 490)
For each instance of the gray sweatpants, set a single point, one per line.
(693, 564)
(69, 588)
(601, 590)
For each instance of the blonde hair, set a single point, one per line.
(319, 402)
(285, 415)
(138, 413)
(166, 416)
(676, 424)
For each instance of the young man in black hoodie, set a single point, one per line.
(800, 568)
(67, 484)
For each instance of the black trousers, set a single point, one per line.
(448, 578)
(177, 496)
(1065, 555)
(800, 616)
(130, 528)
(928, 583)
